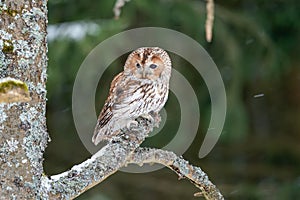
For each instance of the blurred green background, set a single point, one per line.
(256, 48)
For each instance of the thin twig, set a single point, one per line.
(118, 6)
(209, 20)
(180, 166)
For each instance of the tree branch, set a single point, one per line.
(209, 23)
(180, 166)
(101, 165)
(122, 150)
(118, 6)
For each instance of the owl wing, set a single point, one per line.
(106, 112)
(125, 96)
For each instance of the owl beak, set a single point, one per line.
(144, 74)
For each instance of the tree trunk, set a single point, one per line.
(23, 134)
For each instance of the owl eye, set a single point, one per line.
(153, 66)
(138, 65)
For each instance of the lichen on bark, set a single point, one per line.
(23, 134)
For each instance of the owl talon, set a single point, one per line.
(155, 116)
(132, 123)
(148, 117)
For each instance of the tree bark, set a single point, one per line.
(23, 134)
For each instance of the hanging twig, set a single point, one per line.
(209, 20)
(118, 6)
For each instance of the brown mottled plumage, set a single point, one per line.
(141, 88)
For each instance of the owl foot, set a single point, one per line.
(152, 117)
(148, 117)
(132, 123)
(156, 116)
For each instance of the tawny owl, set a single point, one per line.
(140, 89)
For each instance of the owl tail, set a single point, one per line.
(95, 140)
(100, 134)
(111, 129)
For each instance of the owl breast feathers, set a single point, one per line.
(141, 88)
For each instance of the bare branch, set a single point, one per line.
(101, 165)
(123, 149)
(180, 166)
(209, 19)
(118, 6)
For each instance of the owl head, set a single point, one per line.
(151, 63)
